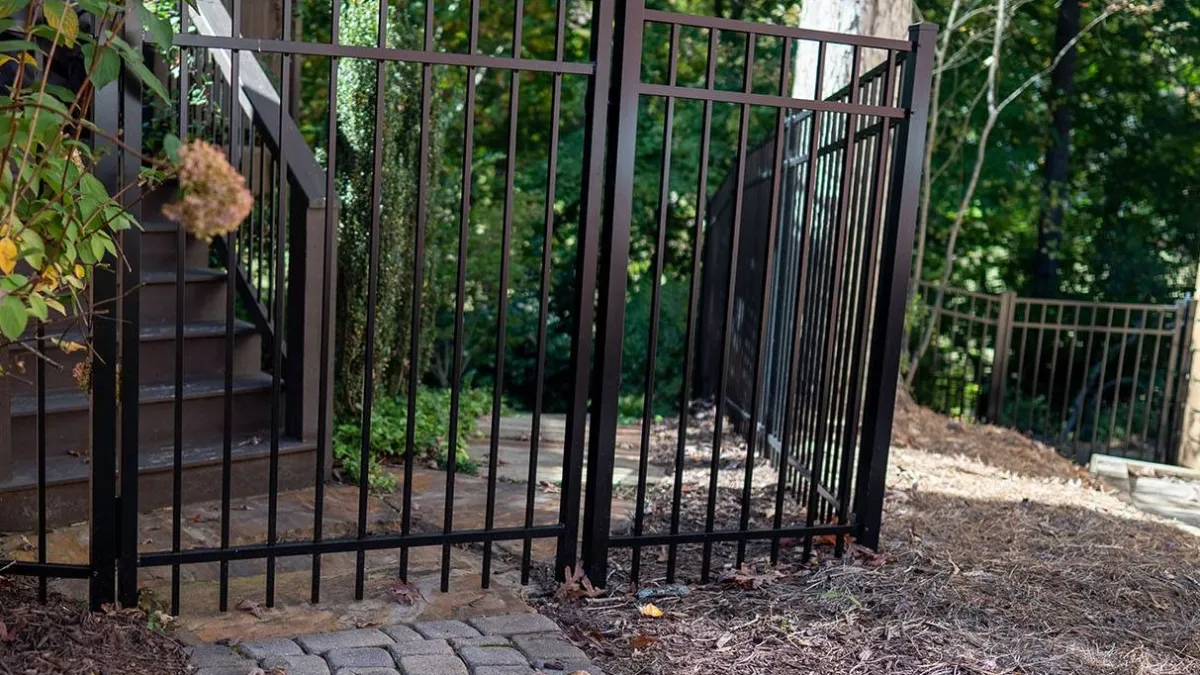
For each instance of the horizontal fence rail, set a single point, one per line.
(1085, 377)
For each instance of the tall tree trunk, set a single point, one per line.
(1055, 170)
(879, 18)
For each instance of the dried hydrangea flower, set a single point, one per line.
(213, 196)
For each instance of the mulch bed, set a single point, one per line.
(63, 638)
(999, 556)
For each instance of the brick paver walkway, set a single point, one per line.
(517, 644)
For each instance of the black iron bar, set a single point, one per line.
(664, 208)
(280, 223)
(895, 265)
(346, 545)
(793, 434)
(514, 98)
(835, 307)
(40, 375)
(328, 275)
(1124, 343)
(586, 279)
(418, 284)
(231, 266)
(768, 271)
(185, 92)
(730, 300)
(535, 435)
(693, 305)
(1133, 393)
(733, 25)
(1100, 380)
(364, 471)
(1162, 319)
(464, 234)
(729, 535)
(472, 60)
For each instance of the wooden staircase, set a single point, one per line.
(68, 419)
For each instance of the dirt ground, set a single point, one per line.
(999, 556)
(63, 638)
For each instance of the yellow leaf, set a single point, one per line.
(50, 278)
(79, 271)
(62, 17)
(8, 255)
(69, 347)
(649, 610)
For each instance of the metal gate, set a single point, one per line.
(820, 349)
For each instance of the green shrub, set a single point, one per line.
(389, 433)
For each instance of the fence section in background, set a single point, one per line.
(1084, 377)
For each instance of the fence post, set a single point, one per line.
(614, 263)
(1187, 447)
(103, 520)
(891, 298)
(1004, 330)
(306, 280)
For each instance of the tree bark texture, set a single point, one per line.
(879, 18)
(1056, 168)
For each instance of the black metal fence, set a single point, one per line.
(1085, 377)
(809, 335)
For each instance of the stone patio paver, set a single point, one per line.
(363, 657)
(445, 629)
(514, 624)
(445, 647)
(265, 649)
(303, 664)
(432, 665)
(322, 643)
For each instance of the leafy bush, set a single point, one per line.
(389, 433)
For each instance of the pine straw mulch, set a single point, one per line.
(999, 556)
(63, 638)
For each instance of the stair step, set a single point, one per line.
(204, 295)
(160, 244)
(68, 422)
(68, 478)
(204, 355)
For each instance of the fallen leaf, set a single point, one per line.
(651, 611)
(724, 640)
(251, 607)
(403, 593)
(6, 636)
(642, 642)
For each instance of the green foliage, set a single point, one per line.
(1129, 233)
(59, 222)
(389, 433)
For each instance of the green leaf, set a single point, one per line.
(159, 28)
(12, 46)
(38, 308)
(133, 61)
(10, 7)
(171, 145)
(106, 70)
(98, 248)
(62, 17)
(13, 317)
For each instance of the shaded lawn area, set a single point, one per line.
(999, 556)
